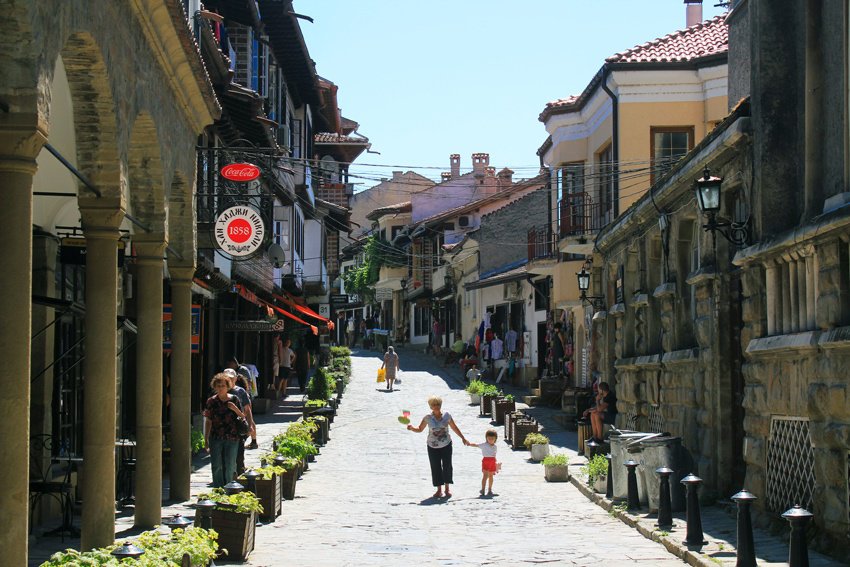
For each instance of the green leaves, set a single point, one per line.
(597, 467)
(244, 502)
(160, 550)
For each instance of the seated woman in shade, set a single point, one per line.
(605, 410)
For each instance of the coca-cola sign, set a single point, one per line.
(240, 172)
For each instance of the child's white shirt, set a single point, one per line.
(487, 450)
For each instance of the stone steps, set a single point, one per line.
(532, 400)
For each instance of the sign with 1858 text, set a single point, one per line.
(239, 230)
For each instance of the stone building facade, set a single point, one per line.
(118, 89)
(796, 274)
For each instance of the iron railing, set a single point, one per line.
(541, 243)
(579, 215)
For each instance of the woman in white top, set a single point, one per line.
(439, 444)
(286, 359)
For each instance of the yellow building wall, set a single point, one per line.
(565, 283)
(636, 123)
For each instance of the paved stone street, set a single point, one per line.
(366, 500)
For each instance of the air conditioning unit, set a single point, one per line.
(463, 221)
(512, 290)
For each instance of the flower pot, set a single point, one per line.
(600, 485)
(484, 407)
(520, 430)
(539, 451)
(556, 473)
(500, 408)
(474, 399)
(268, 491)
(235, 532)
(287, 481)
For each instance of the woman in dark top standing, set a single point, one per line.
(605, 410)
(220, 433)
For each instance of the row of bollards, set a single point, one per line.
(798, 555)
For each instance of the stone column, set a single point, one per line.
(101, 218)
(20, 142)
(149, 265)
(773, 291)
(181, 381)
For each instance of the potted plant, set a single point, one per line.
(596, 470)
(489, 392)
(474, 389)
(199, 544)
(267, 489)
(538, 444)
(198, 442)
(501, 406)
(556, 468)
(235, 520)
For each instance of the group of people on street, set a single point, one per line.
(233, 391)
(439, 445)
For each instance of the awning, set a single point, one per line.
(293, 317)
(303, 309)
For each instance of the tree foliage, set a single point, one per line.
(377, 253)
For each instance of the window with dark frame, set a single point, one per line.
(607, 193)
(668, 145)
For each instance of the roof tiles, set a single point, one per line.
(706, 38)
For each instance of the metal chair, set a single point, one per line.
(50, 475)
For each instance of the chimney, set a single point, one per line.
(446, 176)
(479, 164)
(454, 159)
(506, 178)
(693, 12)
(398, 175)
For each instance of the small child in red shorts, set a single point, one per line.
(489, 466)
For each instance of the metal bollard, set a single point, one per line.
(694, 536)
(251, 477)
(203, 513)
(798, 552)
(591, 448)
(746, 547)
(633, 500)
(233, 487)
(127, 551)
(609, 483)
(665, 509)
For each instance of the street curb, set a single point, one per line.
(672, 545)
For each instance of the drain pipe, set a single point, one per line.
(615, 138)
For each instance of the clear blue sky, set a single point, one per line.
(429, 79)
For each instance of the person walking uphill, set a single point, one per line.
(391, 364)
(439, 444)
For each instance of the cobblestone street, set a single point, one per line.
(367, 499)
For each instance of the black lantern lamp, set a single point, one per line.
(233, 487)
(176, 521)
(127, 551)
(708, 199)
(203, 513)
(447, 279)
(583, 277)
(251, 477)
(403, 284)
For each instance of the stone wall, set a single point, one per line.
(511, 224)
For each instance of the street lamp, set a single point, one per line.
(597, 301)
(707, 190)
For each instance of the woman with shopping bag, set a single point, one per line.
(390, 365)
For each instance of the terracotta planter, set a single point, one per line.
(556, 473)
(235, 532)
(500, 408)
(287, 481)
(268, 491)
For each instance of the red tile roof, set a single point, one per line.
(707, 38)
(332, 138)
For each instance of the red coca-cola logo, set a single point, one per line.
(242, 172)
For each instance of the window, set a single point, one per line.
(421, 321)
(607, 193)
(395, 231)
(569, 184)
(541, 295)
(295, 137)
(668, 146)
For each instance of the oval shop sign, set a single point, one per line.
(240, 172)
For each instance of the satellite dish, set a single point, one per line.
(276, 255)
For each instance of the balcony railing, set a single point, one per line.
(541, 243)
(580, 216)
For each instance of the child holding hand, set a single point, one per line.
(489, 467)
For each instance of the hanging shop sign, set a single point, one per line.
(383, 294)
(339, 298)
(325, 310)
(258, 326)
(240, 172)
(240, 230)
(166, 327)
